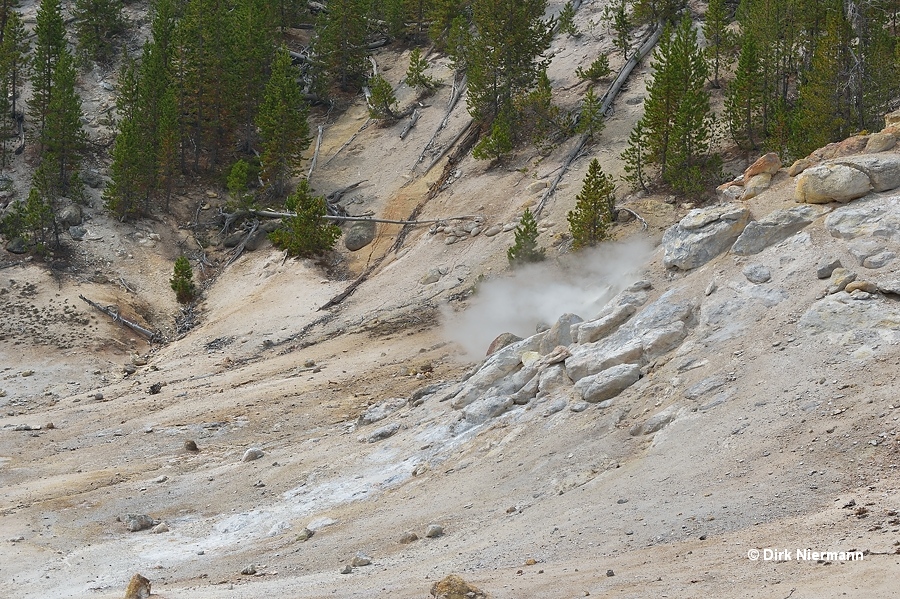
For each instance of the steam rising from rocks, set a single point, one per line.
(538, 294)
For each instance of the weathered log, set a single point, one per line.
(411, 123)
(605, 103)
(152, 337)
(274, 214)
(456, 93)
(635, 214)
(315, 157)
(239, 249)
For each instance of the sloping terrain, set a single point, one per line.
(755, 415)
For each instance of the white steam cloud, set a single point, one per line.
(579, 283)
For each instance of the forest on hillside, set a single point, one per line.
(217, 90)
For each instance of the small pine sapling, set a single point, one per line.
(598, 70)
(590, 119)
(589, 222)
(415, 74)
(182, 281)
(525, 249)
(306, 234)
(382, 101)
(566, 20)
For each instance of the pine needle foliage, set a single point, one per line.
(182, 281)
(589, 222)
(306, 234)
(525, 250)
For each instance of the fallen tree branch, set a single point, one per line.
(605, 103)
(273, 214)
(239, 249)
(114, 314)
(449, 146)
(410, 124)
(456, 93)
(635, 214)
(315, 157)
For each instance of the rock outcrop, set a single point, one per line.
(702, 235)
(771, 229)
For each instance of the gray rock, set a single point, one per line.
(77, 232)
(840, 317)
(555, 406)
(380, 410)
(864, 248)
(254, 453)
(348, 569)
(826, 183)
(879, 260)
(756, 185)
(92, 178)
(501, 341)
(592, 358)
(757, 273)
(880, 142)
(579, 406)
(493, 230)
(360, 560)
(160, 528)
(657, 342)
(527, 392)
(359, 235)
(70, 215)
(553, 378)
(704, 387)
(17, 245)
(774, 227)
(433, 276)
(388, 430)
(826, 266)
(305, 535)
(840, 278)
(891, 286)
(560, 333)
(591, 331)
(434, 531)
(482, 410)
(883, 170)
(408, 537)
(608, 383)
(872, 218)
(656, 422)
(249, 570)
(136, 522)
(495, 367)
(702, 235)
(256, 239)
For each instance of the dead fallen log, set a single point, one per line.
(605, 103)
(315, 157)
(410, 124)
(635, 215)
(456, 93)
(152, 337)
(274, 214)
(239, 249)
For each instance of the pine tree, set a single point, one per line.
(589, 222)
(50, 40)
(282, 124)
(63, 137)
(14, 58)
(339, 45)
(382, 101)
(677, 118)
(635, 158)
(237, 185)
(306, 234)
(182, 281)
(415, 73)
(504, 54)
(97, 22)
(253, 34)
(598, 70)
(718, 38)
(823, 103)
(621, 26)
(590, 119)
(525, 250)
(743, 97)
(498, 142)
(566, 20)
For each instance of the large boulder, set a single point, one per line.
(592, 358)
(883, 170)
(771, 229)
(482, 410)
(360, 235)
(594, 330)
(765, 164)
(70, 215)
(495, 368)
(703, 234)
(831, 182)
(873, 218)
(608, 383)
(560, 333)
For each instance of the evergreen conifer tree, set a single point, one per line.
(718, 38)
(306, 234)
(50, 40)
(182, 281)
(282, 124)
(525, 250)
(340, 42)
(415, 73)
(635, 158)
(382, 101)
(743, 97)
(589, 222)
(97, 22)
(590, 119)
(63, 137)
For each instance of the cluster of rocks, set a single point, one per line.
(756, 179)
(576, 362)
(462, 230)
